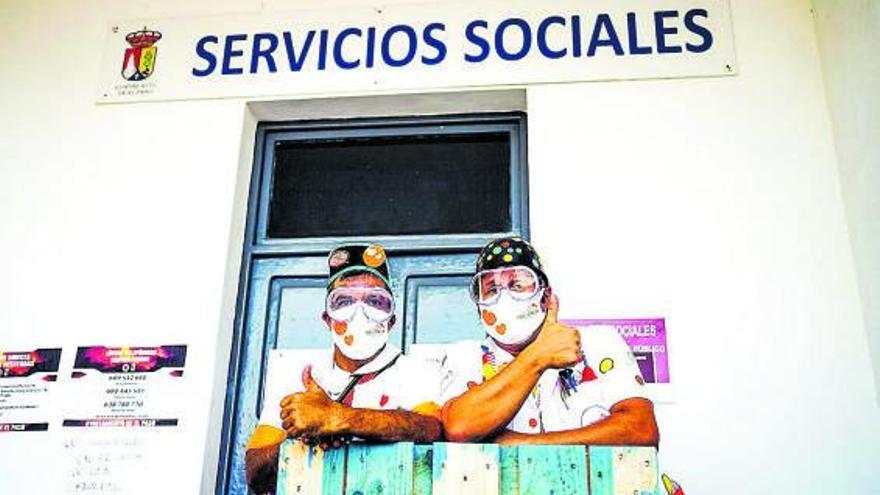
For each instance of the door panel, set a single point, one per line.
(286, 300)
(295, 313)
(439, 310)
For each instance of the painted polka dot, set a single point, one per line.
(374, 256)
(505, 244)
(338, 258)
(349, 339)
(508, 258)
(340, 327)
(519, 250)
(489, 258)
(509, 250)
(488, 317)
(501, 329)
(606, 365)
(496, 250)
(533, 422)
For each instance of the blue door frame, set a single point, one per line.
(271, 266)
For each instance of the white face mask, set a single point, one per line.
(359, 338)
(512, 322)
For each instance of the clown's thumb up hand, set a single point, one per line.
(557, 345)
(308, 382)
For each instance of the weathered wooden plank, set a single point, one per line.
(635, 470)
(557, 470)
(601, 471)
(423, 456)
(379, 469)
(509, 470)
(333, 472)
(465, 468)
(300, 469)
(630, 470)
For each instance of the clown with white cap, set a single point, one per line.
(362, 387)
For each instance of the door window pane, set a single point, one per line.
(391, 185)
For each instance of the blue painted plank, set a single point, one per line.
(601, 471)
(423, 456)
(509, 470)
(552, 470)
(379, 469)
(333, 478)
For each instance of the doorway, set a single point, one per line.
(431, 190)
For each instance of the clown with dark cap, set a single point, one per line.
(534, 379)
(363, 387)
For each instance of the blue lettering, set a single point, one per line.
(207, 56)
(371, 46)
(322, 50)
(542, 37)
(633, 35)
(576, 36)
(386, 45)
(229, 54)
(604, 21)
(526, 43)
(337, 48)
(480, 42)
(662, 31)
(700, 31)
(434, 43)
(297, 64)
(264, 53)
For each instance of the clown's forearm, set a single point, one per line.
(261, 468)
(489, 406)
(631, 422)
(390, 426)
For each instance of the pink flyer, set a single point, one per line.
(647, 339)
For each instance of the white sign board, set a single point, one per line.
(414, 48)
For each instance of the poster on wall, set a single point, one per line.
(27, 382)
(122, 416)
(646, 338)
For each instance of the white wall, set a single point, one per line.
(849, 34)
(714, 202)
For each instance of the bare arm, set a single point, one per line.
(486, 408)
(261, 458)
(390, 426)
(313, 414)
(631, 422)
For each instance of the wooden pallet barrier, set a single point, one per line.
(460, 468)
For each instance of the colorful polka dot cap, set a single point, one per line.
(351, 259)
(510, 251)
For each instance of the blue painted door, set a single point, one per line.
(283, 280)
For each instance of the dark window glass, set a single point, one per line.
(424, 184)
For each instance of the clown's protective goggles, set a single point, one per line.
(343, 302)
(521, 282)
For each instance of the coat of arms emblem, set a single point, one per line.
(140, 58)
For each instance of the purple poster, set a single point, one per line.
(647, 339)
(26, 382)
